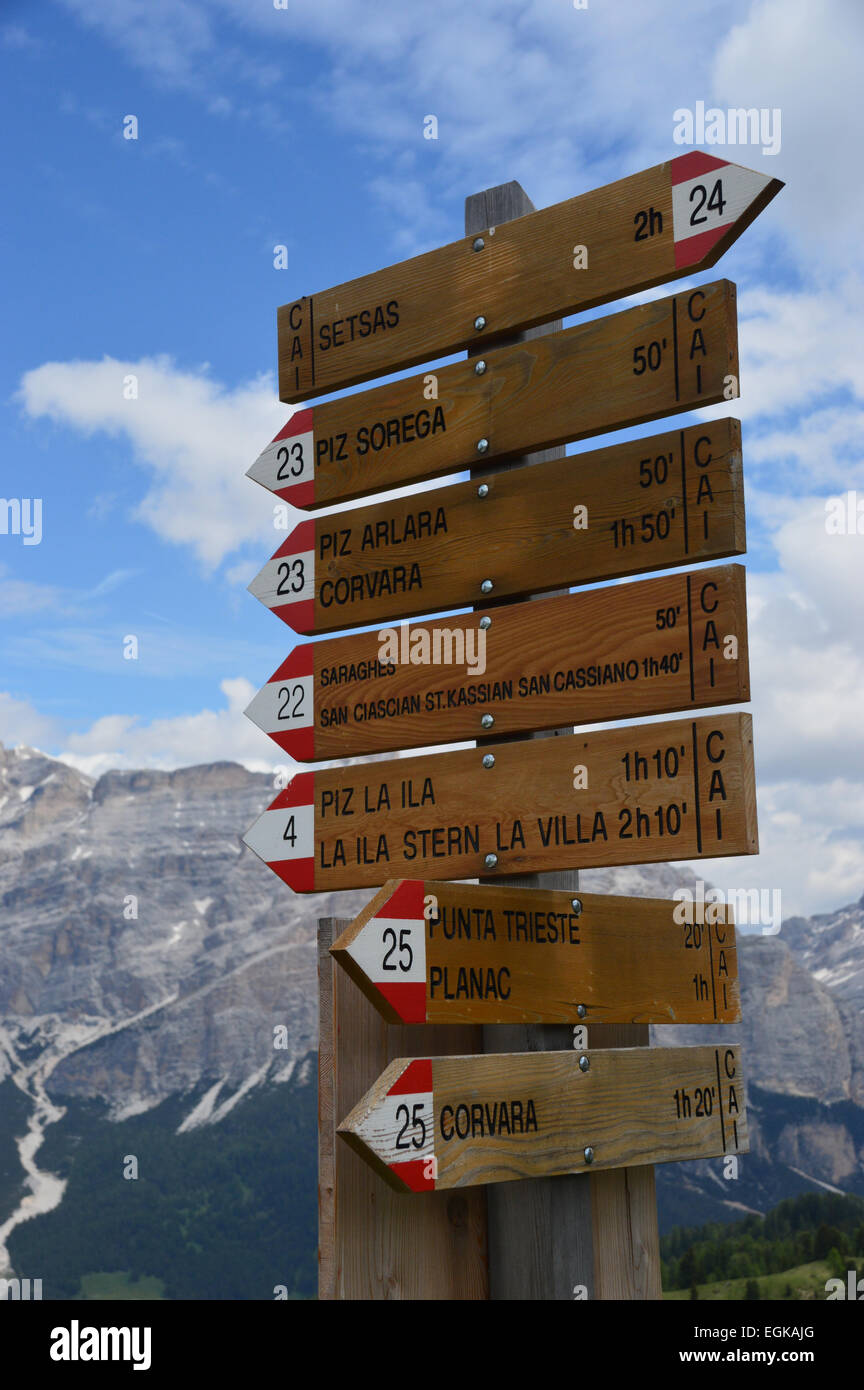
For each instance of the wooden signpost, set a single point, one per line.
(674, 219)
(682, 789)
(643, 505)
(676, 642)
(455, 978)
(428, 952)
(640, 364)
(439, 1122)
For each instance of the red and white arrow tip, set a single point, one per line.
(284, 836)
(712, 202)
(285, 707)
(387, 956)
(286, 584)
(287, 465)
(400, 1105)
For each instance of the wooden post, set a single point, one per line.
(551, 1238)
(374, 1243)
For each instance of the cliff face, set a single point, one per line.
(143, 949)
(146, 953)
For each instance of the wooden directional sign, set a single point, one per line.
(651, 792)
(642, 505)
(658, 359)
(672, 220)
(433, 1123)
(427, 952)
(657, 646)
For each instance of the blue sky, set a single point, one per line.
(303, 126)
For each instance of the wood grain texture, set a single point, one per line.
(484, 954)
(640, 364)
(373, 1242)
(498, 1118)
(540, 1231)
(648, 793)
(646, 504)
(523, 274)
(676, 642)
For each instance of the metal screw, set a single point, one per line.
(487, 586)
(490, 861)
(480, 367)
(487, 721)
(589, 1155)
(482, 446)
(483, 490)
(479, 323)
(581, 1010)
(584, 1063)
(576, 905)
(485, 623)
(479, 243)
(489, 760)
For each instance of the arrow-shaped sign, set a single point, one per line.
(439, 1122)
(644, 794)
(645, 504)
(657, 646)
(674, 219)
(427, 952)
(640, 364)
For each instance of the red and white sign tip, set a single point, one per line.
(710, 197)
(284, 836)
(285, 707)
(287, 465)
(286, 584)
(390, 951)
(381, 1128)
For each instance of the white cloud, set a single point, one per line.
(811, 847)
(18, 596)
(124, 741)
(806, 57)
(21, 723)
(192, 437)
(799, 347)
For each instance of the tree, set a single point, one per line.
(752, 1290)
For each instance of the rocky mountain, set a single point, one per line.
(143, 948)
(146, 957)
(803, 1043)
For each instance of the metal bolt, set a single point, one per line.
(576, 905)
(479, 323)
(581, 1010)
(487, 586)
(482, 446)
(489, 760)
(485, 623)
(483, 490)
(479, 243)
(490, 861)
(584, 1063)
(487, 721)
(589, 1155)
(480, 367)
